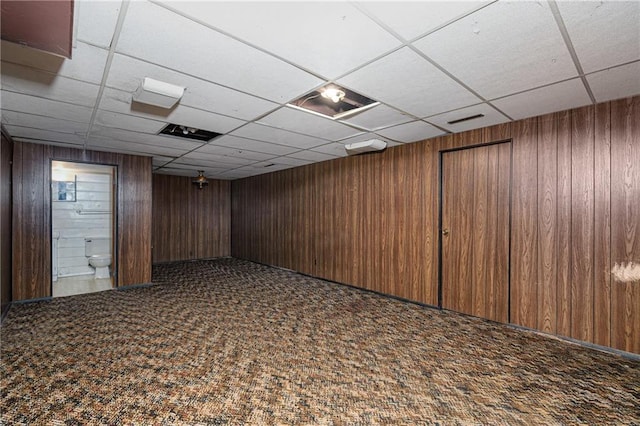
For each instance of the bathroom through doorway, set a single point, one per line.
(83, 227)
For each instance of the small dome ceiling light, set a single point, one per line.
(201, 180)
(335, 94)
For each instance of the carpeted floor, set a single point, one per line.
(232, 342)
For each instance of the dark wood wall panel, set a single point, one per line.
(372, 221)
(190, 223)
(625, 220)
(6, 205)
(31, 216)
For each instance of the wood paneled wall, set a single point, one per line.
(372, 220)
(190, 223)
(6, 154)
(32, 220)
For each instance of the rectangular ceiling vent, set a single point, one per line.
(334, 102)
(188, 132)
(460, 120)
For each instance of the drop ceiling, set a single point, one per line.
(427, 63)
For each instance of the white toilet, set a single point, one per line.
(97, 250)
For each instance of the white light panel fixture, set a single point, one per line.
(365, 146)
(158, 93)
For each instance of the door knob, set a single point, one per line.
(445, 232)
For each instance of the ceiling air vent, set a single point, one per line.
(334, 102)
(460, 120)
(188, 132)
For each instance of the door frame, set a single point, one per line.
(440, 203)
(115, 259)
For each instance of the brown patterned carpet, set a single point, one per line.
(232, 342)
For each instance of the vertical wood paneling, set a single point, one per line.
(563, 225)
(625, 220)
(6, 205)
(582, 223)
(190, 223)
(524, 231)
(602, 226)
(547, 232)
(574, 213)
(31, 216)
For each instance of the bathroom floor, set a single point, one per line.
(81, 284)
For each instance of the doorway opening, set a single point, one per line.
(83, 228)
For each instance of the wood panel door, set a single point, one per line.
(475, 231)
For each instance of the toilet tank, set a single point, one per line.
(94, 246)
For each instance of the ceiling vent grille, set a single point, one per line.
(460, 120)
(188, 132)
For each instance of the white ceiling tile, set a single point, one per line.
(408, 82)
(560, 96)
(126, 74)
(205, 53)
(175, 171)
(114, 145)
(378, 117)
(181, 144)
(159, 160)
(119, 101)
(306, 33)
(239, 143)
(128, 122)
(308, 124)
(335, 149)
(411, 132)
(87, 63)
(44, 135)
(312, 156)
(507, 47)
(615, 83)
(192, 167)
(603, 33)
(264, 167)
(277, 136)
(41, 122)
(212, 160)
(21, 79)
(40, 106)
(412, 18)
(491, 117)
(213, 148)
(286, 160)
(97, 21)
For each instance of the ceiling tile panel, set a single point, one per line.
(126, 74)
(40, 106)
(119, 101)
(411, 132)
(239, 143)
(181, 144)
(87, 63)
(308, 124)
(277, 136)
(128, 122)
(507, 47)
(17, 78)
(491, 117)
(97, 20)
(615, 83)
(604, 34)
(213, 160)
(378, 117)
(212, 148)
(408, 82)
(115, 145)
(335, 149)
(44, 136)
(205, 53)
(556, 97)
(410, 19)
(41, 122)
(306, 33)
(312, 156)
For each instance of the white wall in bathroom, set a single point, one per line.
(93, 195)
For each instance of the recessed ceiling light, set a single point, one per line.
(188, 132)
(334, 102)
